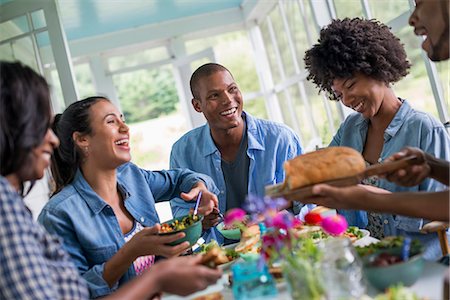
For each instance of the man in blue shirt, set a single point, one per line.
(241, 153)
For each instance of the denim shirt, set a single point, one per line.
(89, 227)
(408, 128)
(270, 144)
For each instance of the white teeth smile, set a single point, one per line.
(120, 142)
(358, 107)
(228, 112)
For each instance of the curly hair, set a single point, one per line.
(350, 46)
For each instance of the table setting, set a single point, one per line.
(317, 258)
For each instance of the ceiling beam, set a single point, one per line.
(159, 31)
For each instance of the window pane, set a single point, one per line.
(13, 28)
(38, 19)
(443, 70)
(320, 116)
(415, 87)
(386, 10)
(264, 27)
(43, 40)
(234, 51)
(256, 107)
(282, 42)
(348, 8)
(150, 104)
(6, 52)
(298, 30)
(23, 50)
(137, 58)
(85, 84)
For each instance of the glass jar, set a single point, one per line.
(343, 278)
(252, 280)
(303, 278)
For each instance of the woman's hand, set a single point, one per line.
(183, 275)
(207, 202)
(411, 175)
(148, 242)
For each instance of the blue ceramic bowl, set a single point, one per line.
(193, 232)
(406, 272)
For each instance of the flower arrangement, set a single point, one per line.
(279, 242)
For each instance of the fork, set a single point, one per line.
(197, 203)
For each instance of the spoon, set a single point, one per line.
(199, 196)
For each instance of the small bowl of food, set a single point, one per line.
(191, 225)
(386, 268)
(232, 232)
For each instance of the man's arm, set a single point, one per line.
(427, 166)
(428, 205)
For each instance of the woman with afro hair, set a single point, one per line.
(356, 61)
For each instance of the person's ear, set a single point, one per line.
(196, 105)
(80, 140)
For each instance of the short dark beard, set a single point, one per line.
(440, 50)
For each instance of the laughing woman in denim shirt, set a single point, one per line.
(104, 206)
(355, 62)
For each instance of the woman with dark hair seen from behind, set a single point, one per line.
(33, 263)
(104, 205)
(356, 61)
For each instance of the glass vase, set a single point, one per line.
(303, 278)
(343, 278)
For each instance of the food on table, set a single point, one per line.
(398, 292)
(353, 233)
(212, 296)
(386, 259)
(179, 224)
(250, 240)
(323, 165)
(387, 243)
(215, 255)
(317, 233)
(236, 224)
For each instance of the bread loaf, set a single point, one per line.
(323, 165)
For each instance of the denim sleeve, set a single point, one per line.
(55, 223)
(169, 184)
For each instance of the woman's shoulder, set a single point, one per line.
(66, 195)
(422, 119)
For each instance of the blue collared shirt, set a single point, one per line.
(89, 227)
(33, 264)
(270, 144)
(408, 128)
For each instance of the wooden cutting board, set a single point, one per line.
(280, 190)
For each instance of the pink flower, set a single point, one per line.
(296, 223)
(281, 221)
(233, 216)
(334, 225)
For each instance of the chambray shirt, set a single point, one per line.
(33, 264)
(270, 144)
(89, 226)
(408, 128)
